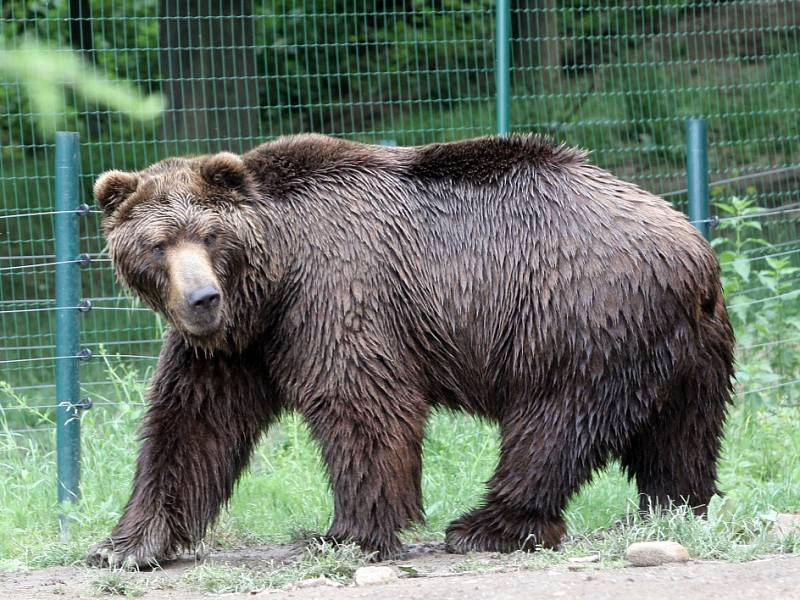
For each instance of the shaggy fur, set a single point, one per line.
(363, 286)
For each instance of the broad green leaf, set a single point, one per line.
(742, 267)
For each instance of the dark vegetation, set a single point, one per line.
(618, 77)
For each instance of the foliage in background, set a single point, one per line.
(627, 73)
(44, 26)
(760, 280)
(336, 68)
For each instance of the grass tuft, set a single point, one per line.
(119, 582)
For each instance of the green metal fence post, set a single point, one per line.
(68, 425)
(502, 65)
(697, 174)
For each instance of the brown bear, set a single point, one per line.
(364, 286)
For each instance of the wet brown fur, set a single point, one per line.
(364, 286)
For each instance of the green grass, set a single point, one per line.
(119, 583)
(286, 491)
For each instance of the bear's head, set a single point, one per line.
(178, 234)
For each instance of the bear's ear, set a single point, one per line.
(224, 169)
(112, 187)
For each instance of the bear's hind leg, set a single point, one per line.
(674, 458)
(204, 417)
(543, 461)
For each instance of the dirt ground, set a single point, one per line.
(774, 578)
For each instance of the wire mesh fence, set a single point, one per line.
(617, 77)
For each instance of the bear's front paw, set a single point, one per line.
(492, 530)
(126, 555)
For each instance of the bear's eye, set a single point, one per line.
(158, 250)
(210, 240)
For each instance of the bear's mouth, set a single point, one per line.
(202, 327)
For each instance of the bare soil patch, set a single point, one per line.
(439, 577)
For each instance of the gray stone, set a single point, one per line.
(652, 554)
(374, 575)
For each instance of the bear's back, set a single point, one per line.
(483, 206)
(527, 174)
(300, 159)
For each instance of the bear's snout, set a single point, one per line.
(195, 296)
(202, 310)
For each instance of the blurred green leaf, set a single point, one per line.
(742, 267)
(45, 71)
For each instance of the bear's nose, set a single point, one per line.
(204, 298)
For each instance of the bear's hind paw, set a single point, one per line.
(484, 531)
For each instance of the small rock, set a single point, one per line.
(652, 554)
(316, 582)
(592, 558)
(786, 524)
(374, 575)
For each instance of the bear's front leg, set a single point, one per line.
(373, 451)
(204, 417)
